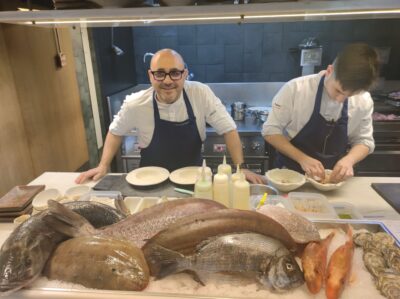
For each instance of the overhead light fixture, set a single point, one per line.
(239, 18)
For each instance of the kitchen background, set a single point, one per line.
(53, 108)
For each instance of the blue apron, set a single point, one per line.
(174, 144)
(320, 139)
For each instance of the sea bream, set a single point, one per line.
(25, 252)
(249, 254)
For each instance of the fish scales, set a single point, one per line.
(140, 227)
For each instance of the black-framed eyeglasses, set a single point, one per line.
(175, 75)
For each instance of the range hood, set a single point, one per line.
(209, 14)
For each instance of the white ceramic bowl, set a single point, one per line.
(39, 203)
(74, 193)
(324, 187)
(285, 180)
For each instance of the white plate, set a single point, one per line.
(147, 176)
(324, 187)
(185, 175)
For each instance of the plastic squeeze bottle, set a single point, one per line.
(241, 194)
(225, 168)
(221, 188)
(207, 171)
(237, 175)
(203, 187)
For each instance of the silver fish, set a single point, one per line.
(136, 228)
(250, 254)
(114, 264)
(25, 252)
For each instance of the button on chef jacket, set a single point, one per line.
(137, 113)
(293, 105)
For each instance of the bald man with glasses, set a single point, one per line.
(170, 118)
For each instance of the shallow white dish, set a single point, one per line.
(74, 193)
(324, 187)
(185, 175)
(39, 203)
(147, 176)
(285, 180)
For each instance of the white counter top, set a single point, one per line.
(357, 191)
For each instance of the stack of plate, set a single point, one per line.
(18, 201)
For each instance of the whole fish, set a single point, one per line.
(300, 228)
(25, 252)
(250, 254)
(339, 268)
(313, 261)
(136, 228)
(113, 264)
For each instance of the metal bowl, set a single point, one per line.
(259, 189)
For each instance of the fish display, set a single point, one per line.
(381, 257)
(251, 254)
(114, 264)
(25, 252)
(136, 228)
(314, 262)
(300, 228)
(339, 268)
(184, 235)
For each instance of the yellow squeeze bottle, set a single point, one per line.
(237, 175)
(221, 188)
(241, 194)
(203, 187)
(225, 168)
(207, 171)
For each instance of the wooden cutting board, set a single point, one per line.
(19, 197)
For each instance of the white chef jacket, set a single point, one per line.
(137, 113)
(293, 105)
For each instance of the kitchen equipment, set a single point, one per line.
(19, 198)
(238, 110)
(260, 113)
(311, 205)
(346, 210)
(389, 192)
(119, 183)
(259, 189)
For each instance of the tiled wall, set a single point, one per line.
(261, 52)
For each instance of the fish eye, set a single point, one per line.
(289, 266)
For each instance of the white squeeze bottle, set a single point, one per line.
(241, 194)
(237, 175)
(203, 187)
(221, 188)
(225, 168)
(207, 171)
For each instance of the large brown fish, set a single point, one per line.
(136, 228)
(252, 255)
(184, 235)
(99, 263)
(314, 263)
(25, 252)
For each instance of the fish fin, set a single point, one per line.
(62, 217)
(196, 277)
(121, 206)
(167, 260)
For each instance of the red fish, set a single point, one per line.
(314, 263)
(339, 268)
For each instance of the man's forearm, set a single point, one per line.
(283, 145)
(357, 153)
(234, 146)
(111, 145)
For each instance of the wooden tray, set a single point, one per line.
(19, 197)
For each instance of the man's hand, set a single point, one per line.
(94, 173)
(254, 178)
(312, 167)
(343, 170)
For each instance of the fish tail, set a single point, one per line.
(66, 221)
(166, 261)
